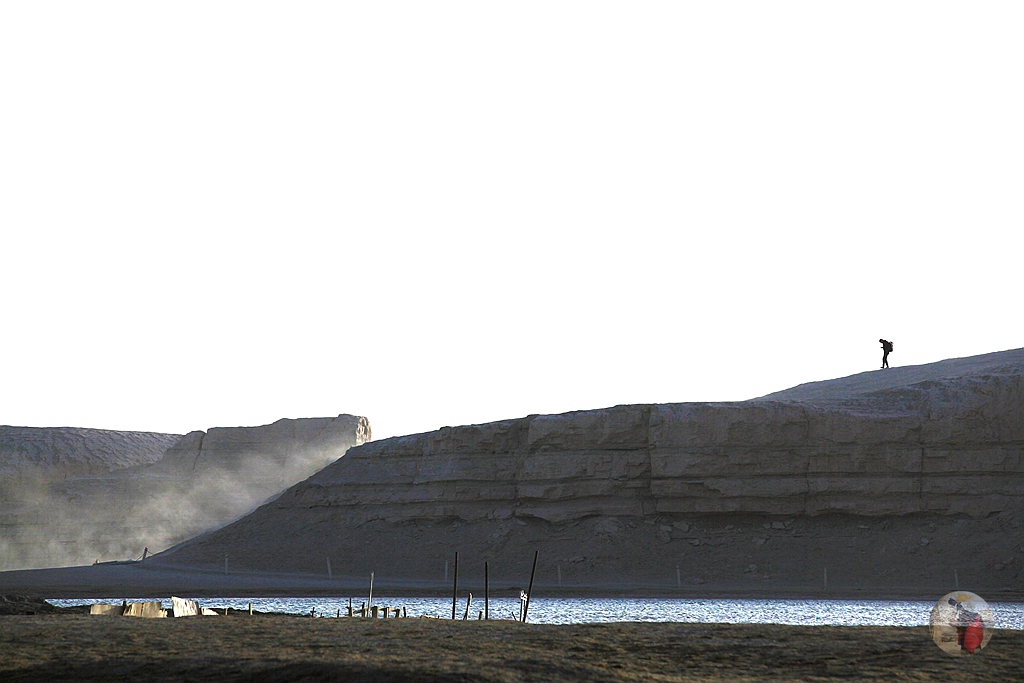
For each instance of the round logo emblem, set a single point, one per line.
(961, 623)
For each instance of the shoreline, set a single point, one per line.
(108, 581)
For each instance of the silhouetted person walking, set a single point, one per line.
(886, 350)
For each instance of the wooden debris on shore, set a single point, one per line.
(180, 607)
(145, 610)
(374, 612)
(107, 610)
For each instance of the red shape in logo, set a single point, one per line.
(972, 635)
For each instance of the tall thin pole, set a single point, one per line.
(370, 603)
(529, 591)
(455, 586)
(487, 594)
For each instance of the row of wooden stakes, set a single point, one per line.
(375, 612)
(524, 597)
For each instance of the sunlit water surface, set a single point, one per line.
(589, 611)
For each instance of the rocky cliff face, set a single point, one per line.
(197, 482)
(251, 451)
(921, 453)
(936, 446)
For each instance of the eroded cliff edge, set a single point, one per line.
(901, 479)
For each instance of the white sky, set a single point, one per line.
(437, 213)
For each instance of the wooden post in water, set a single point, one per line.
(350, 607)
(250, 609)
(370, 604)
(529, 591)
(469, 599)
(487, 594)
(455, 586)
(329, 575)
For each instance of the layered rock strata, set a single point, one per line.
(941, 449)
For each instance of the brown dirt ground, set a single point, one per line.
(74, 647)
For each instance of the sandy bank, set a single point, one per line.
(139, 580)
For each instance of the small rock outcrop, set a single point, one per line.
(918, 449)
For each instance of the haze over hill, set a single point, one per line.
(889, 479)
(74, 496)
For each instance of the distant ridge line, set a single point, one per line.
(995, 363)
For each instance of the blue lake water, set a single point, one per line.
(1008, 615)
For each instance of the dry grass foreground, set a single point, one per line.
(71, 647)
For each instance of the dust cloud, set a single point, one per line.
(115, 516)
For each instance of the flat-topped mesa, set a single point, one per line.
(259, 452)
(50, 453)
(948, 446)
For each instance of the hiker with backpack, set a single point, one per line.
(886, 350)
